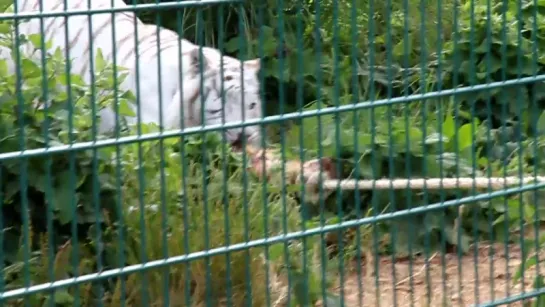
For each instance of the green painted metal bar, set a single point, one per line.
(261, 242)
(268, 120)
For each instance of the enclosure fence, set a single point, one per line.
(272, 153)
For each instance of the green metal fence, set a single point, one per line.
(404, 142)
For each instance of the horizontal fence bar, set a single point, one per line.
(128, 8)
(262, 242)
(515, 298)
(267, 120)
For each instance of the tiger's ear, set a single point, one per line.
(253, 64)
(195, 59)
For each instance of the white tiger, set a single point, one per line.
(151, 43)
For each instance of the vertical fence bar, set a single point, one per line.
(336, 102)
(185, 165)
(391, 166)
(118, 168)
(374, 158)
(424, 110)
(488, 137)
(456, 82)
(408, 162)
(96, 184)
(205, 161)
(164, 209)
(473, 81)
(300, 106)
(226, 202)
(72, 156)
(49, 189)
(355, 88)
(141, 178)
(537, 221)
(503, 134)
(23, 168)
(292, 277)
(519, 141)
(442, 116)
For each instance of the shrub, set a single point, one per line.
(58, 181)
(497, 46)
(72, 212)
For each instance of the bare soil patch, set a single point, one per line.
(473, 279)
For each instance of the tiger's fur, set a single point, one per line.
(176, 90)
(245, 92)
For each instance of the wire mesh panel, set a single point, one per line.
(271, 153)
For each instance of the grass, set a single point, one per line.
(192, 219)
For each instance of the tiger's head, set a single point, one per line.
(230, 94)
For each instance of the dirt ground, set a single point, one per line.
(482, 279)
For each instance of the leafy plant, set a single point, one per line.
(494, 45)
(125, 206)
(61, 187)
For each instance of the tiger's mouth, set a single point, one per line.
(236, 145)
(239, 145)
(243, 140)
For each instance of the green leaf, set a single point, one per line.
(121, 77)
(465, 137)
(36, 40)
(129, 95)
(76, 80)
(541, 123)
(309, 62)
(538, 90)
(125, 109)
(449, 127)
(99, 61)
(276, 252)
(63, 194)
(399, 49)
(310, 294)
(529, 213)
(269, 41)
(452, 237)
(538, 284)
(30, 69)
(526, 264)
(5, 28)
(232, 45)
(3, 68)
(62, 298)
